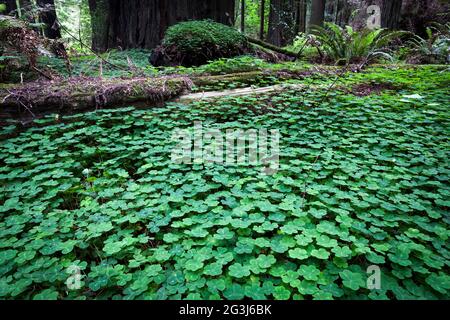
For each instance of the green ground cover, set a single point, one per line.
(362, 181)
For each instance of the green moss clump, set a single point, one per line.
(194, 43)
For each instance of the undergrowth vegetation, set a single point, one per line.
(345, 45)
(435, 48)
(362, 181)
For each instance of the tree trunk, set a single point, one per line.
(300, 16)
(100, 24)
(317, 12)
(390, 14)
(343, 13)
(281, 22)
(262, 20)
(48, 16)
(243, 16)
(142, 23)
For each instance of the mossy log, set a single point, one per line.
(249, 77)
(78, 94)
(271, 47)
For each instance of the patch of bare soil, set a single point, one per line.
(367, 89)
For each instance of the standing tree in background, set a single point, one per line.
(317, 12)
(243, 16)
(343, 13)
(141, 23)
(281, 22)
(301, 7)
(99, 10)
(47, 15)
(262, 13)
(391, 13)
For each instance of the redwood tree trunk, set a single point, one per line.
(142, 23)
(100, 24)
(262, 19)
(243, 16)
(281, 22)
(343, 13)
(390, 14)
(317, 12)
(48, 16)
(300, 16)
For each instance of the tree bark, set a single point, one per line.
(48, 16)
(343, 13)
(262, 19)
(100, 20)
(243, 16)
(142, 23)
(390, 14)
(281, 22)
(300, 16)
(317, 12)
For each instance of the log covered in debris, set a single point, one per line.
(77, 94)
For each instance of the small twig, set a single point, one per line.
(9, 95)
(42, 73)
(21, 103)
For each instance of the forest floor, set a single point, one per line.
(362, 179)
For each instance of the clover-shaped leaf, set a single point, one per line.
(320, 254)
(309, 272)
(298, 253)
(237, 270)
(352, 280)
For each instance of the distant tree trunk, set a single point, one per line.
(48, 16)
(343, 13)
(300, 16)
(390, 14)
(100, 24)
(281, 22)
(243, 16)
(317, 12)
(141, 23)
(262, 20)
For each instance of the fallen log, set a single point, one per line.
(252, 77)
(78, 94)
(273, 48)
(32, 100)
